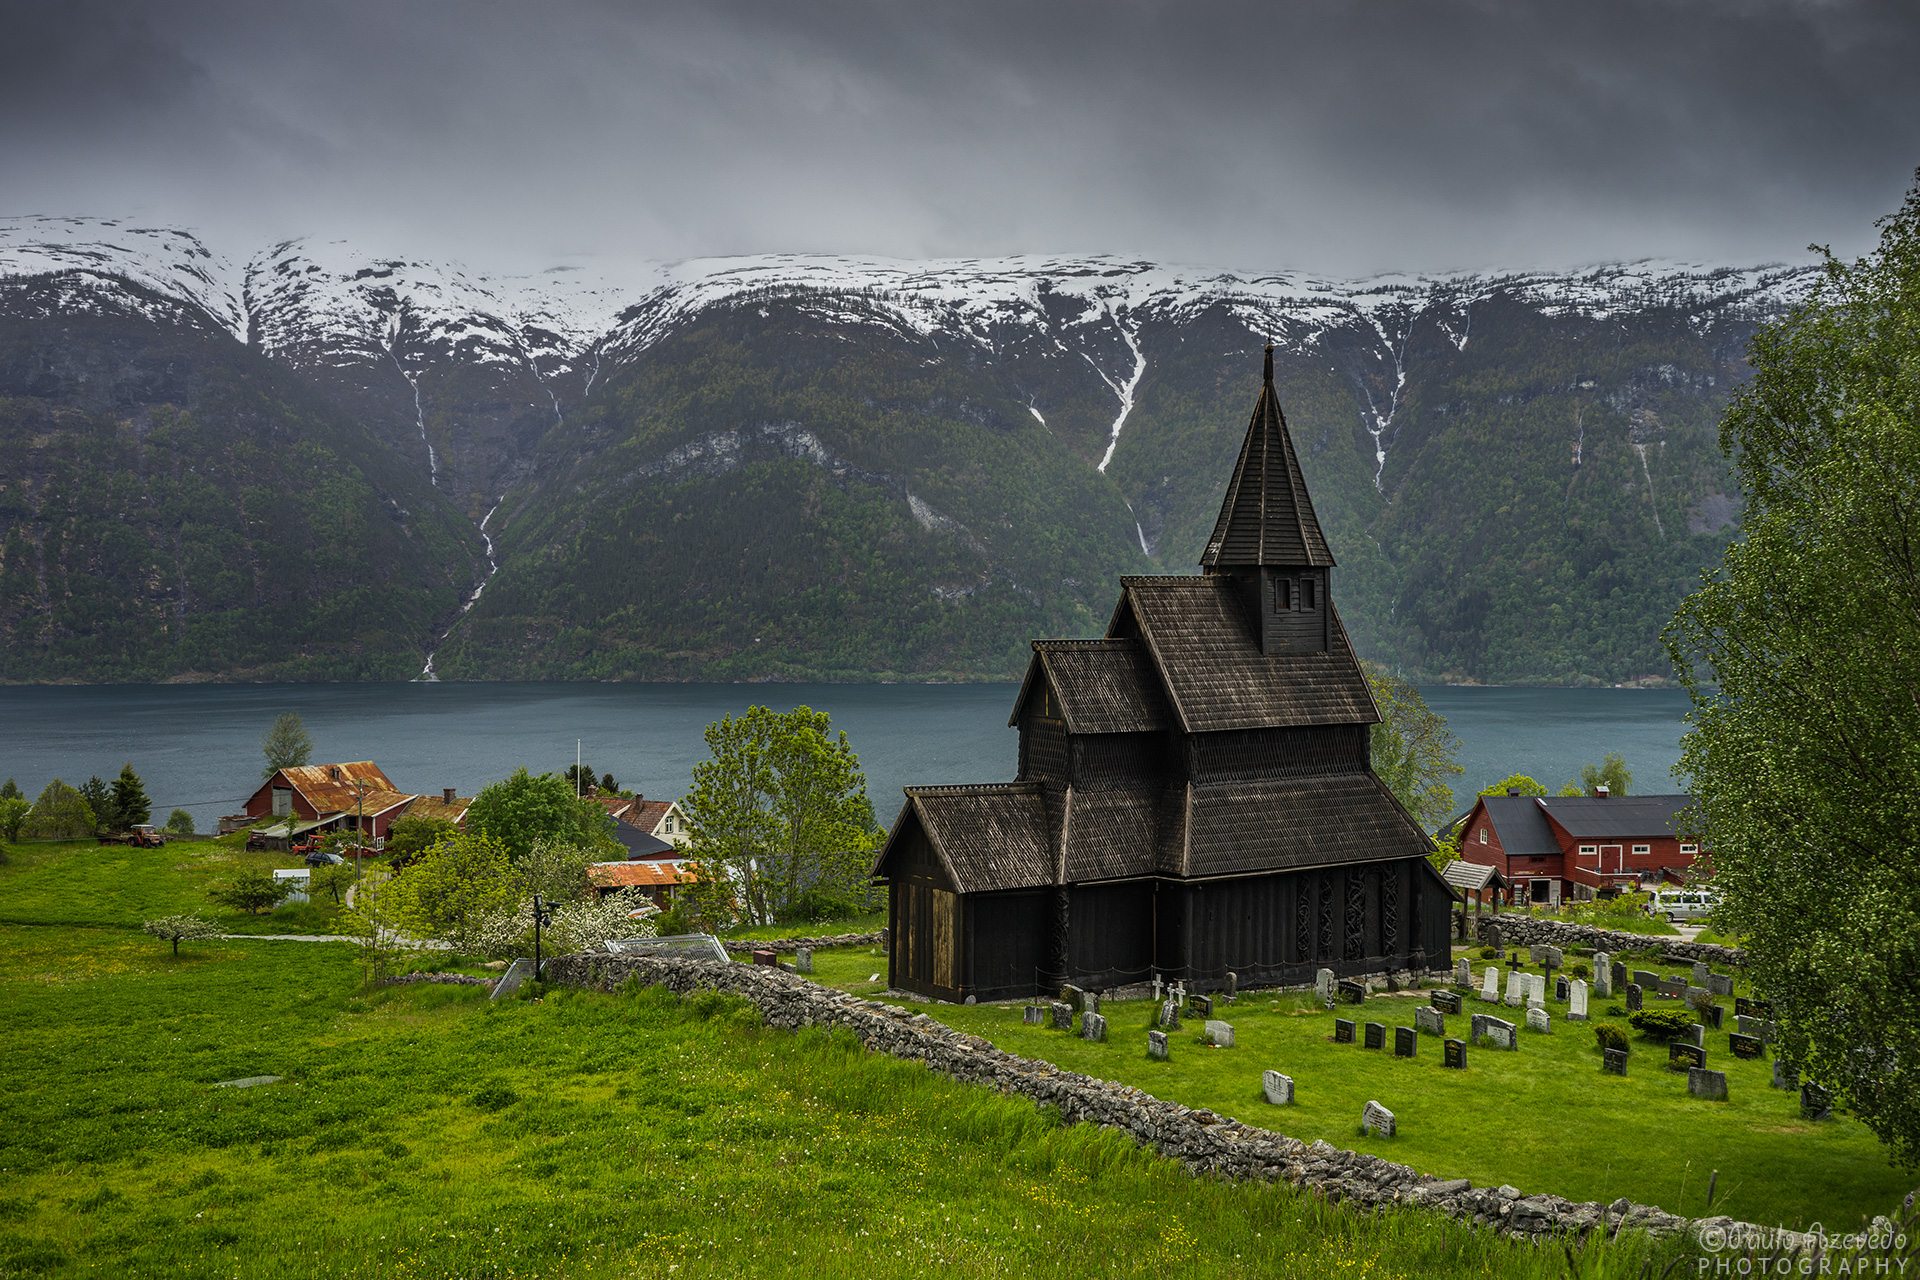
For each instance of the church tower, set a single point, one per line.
(1268, 539)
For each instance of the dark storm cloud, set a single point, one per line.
(1339, 137)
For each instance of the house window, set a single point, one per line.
(1642, 850)
(669, 824)
(1588, 850)
(1282, 594)
(1306, 593)
(1483, 835)
(1689, 848)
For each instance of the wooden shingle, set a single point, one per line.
(1293, 823)
(1103, 686)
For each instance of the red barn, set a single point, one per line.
(357, 794)
(1554, 849)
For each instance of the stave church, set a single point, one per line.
(1194, 794)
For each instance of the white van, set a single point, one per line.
(1681, 904)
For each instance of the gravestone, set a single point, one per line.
(1746, 1007)
(1406, 1042)
(1711, 1085)
(1759, 1028)
(1446, 1001)
(1220, 1034)
(767, 956)
(1814, 1103)
(1646, 978)
(1535, 952)
(1490, 988)
(1577, 1001)
(1343, 1031)
(1200, 1006)
(1353, 992)
(1277, 1087)
(1093, 1027)
(1635, 1002)
(1696, 997)
(1503, 1035)
(1613, 1061)
(1721, 984)
(1428, 1019)
(1603, 983)
(1551, 957)
(1748, 1047)
(1323, 984)
(1093, 1002)
(1156, 988)
(1784, 1076)
(1170, 1014)
(1062, 1015)
(1036, 1015)
(1539, 1020)
(1681, 1054)
(1233, 987)
(1560, 989)
(1714, 1015)
(1376, 1035)
(1074, 997)
(517, 972)
(1463, 973)
(803, 959)
(1157, 1045)
(1673, 985)
(1536, 988)
(1375, 1118)
(1696, 1035)
(1456, 1055)
(1617, 974)
(1700, 973)
(1490, 934)
(1517, 987)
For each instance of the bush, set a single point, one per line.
(1580, 969)
(180, 823)
(1661, 1024)
(1489, 953)
(1610, 1036)
(182, 928)
(820, 905)
(251, 891)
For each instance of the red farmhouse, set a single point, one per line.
(1554, 849)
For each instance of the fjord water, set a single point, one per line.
(198, 746)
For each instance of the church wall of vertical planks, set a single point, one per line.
(1194, 794)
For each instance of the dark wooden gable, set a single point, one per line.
(987, 837)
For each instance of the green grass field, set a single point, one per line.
(118, 886)
(422, 1131)
(1543, 1118)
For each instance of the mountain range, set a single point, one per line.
(318, 462)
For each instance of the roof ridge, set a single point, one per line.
(1128, 579)
(974, 788)
(1117, 642)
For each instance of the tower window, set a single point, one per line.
(1306, 593)
(1282, 594)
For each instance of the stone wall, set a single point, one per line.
(1201, 1140)
(1522, 930)
(787, 946)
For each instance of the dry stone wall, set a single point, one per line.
(1202, 1140)
(787, 946)
(1523, 930)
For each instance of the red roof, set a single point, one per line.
(646, 814)
(638, 875)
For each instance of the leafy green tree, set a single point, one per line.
(1519, 783)
(13, 815)
(178, 929)
(583, 776)
(412, 833)
(527, 808)
(1799, 653)
(778, 809)
(10, 790)
(287, 744)
(180, 823)
(130, 804)
(332, 880)
(1413, 751)
(251, 891)
(99, 798)
(454, 888)
(1611, 773)
(557, 870)
(61, 813)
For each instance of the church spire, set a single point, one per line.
(1267, 518)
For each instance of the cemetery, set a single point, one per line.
(1501, 1080)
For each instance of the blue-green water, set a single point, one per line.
(198, 746)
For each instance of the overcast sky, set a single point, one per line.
(1336, 137)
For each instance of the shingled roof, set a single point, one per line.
(1198, 634)
(1103, 686)
(1287, 824)
(1586, 817)
(1267, 517)
(991, 836)
(1521, 823)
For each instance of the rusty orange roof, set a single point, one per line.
(438, 807)
(330, 788)
(638, 875)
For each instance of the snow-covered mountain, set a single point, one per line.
(1012, 429)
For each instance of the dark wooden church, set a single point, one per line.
(1194, 797)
